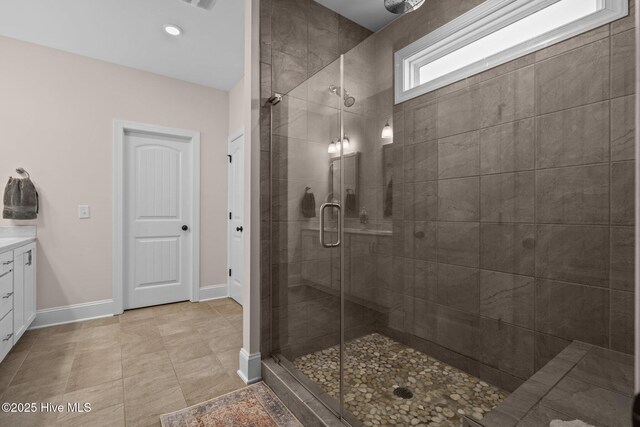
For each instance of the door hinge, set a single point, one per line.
(229, 272)
(229, 215)
(229, 156)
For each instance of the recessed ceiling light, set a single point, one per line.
(173, 30)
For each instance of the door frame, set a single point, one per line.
(237, 134)
(120, 127)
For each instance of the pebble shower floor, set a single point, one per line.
(377, 365)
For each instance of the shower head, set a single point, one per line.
(402, 6)
(348, 99)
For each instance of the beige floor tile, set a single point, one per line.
(225, 342)
(112, 416)
(98, 373)
(100, 397)
(135, 315)
(197, 389)
(103, 321)
(206, 365)
(147, 413)
(35, 391)
(132, 367)
(177, 327)
(104, 331)
(136, 348)
(148, 363)
(99, 344)
(230, 358)
(43, 371)
(45, 342)
(148, 396)
(185, 347)
(35, 419)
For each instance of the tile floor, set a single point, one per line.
(376, 365)
(131, 368)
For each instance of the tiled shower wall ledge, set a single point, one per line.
(583, 382)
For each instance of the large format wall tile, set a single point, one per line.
(506, 98)
(573, 195)
(507, 298)
(458, 287)
(571, 311)
(622, 321)
(622, 193)
(623, 128)
(421, 201)
(292, 71)
(507, 148)
(420, 240)
(458, 331)
(507, 197)
(289, 35)
(577, 254)
(421, 161)
(459, 156)
(420, 123)
(458, 113)
(507, 348)
(622, 258)
(578, 77)
(508, 248)
(573, 137)
(459, 243)
(459, 199)
(622, 64)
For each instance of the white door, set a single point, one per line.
(158, 199)
(236, 217)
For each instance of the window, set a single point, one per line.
(491, 34)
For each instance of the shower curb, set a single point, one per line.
(306, 407)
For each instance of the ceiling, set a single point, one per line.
(370, 14)
(130, 33)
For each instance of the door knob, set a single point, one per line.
(185, 228)
(239, 229)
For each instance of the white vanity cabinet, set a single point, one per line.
(17, 292)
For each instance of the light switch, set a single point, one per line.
(83, 211)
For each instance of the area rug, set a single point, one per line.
(253, 406)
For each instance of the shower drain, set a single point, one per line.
(403, 392)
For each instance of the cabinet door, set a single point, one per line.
(29, 279)
(24, 288)
(18, 294)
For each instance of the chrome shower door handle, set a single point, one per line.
(322, 241)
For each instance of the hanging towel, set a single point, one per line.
(308, 204)
(20, 199)
(350, 203)
(388, 200)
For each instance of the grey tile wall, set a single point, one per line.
(527, 175)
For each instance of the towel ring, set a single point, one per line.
(21, 171)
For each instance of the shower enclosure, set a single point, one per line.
(441, 263)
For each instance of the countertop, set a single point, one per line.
(9, 243)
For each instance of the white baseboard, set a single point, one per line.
(250, 367)
(72, 313)
(213, 292)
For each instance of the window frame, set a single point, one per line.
(485, 19)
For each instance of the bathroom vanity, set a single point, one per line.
(17, 288)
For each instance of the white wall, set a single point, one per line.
(236, 105)
(56, 117)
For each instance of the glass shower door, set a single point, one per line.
(305, 219)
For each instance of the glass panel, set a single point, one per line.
(305, 274)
